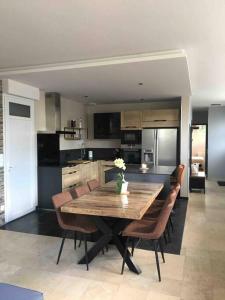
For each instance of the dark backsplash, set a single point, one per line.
(98, 154)
(104, 153)
(66, 155)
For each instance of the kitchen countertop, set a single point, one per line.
(157, 170)
(70, 163)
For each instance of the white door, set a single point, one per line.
(20, 157)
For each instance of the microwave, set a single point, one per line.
(131, 137)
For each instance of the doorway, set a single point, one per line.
(20, 157)
(199, 147)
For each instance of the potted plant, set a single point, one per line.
(121, 183)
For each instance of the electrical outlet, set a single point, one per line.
(1, 161)
(2, 208)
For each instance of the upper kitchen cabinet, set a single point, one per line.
(130, 120)
(107, 125)
(160, 118)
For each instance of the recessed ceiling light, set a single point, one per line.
(85, 96)
(140, 83)
(142, 99)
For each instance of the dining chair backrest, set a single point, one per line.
(171, 200)
(93, 184)
(81, 190)
(176, 188)
(164, 214)
(58, 200)
(180, 173)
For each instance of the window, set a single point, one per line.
(19, 110)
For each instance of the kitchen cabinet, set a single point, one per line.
(130, 120)
(160, 118)
(104, 165)
(88, 172)
(79, 174)
(70, 177)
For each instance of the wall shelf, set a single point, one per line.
(71, 133)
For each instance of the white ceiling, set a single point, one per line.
(44, 32)
(115, 81)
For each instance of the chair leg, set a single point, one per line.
(61, 247)
(107, 248)
(75, 240)
(80, 243)
(85, 246)
(103, 252)
(125, 255)
(157, 258)
(165, 238)
(161, 249)
(132, 247)
(171, 223)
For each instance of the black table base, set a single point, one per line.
(110, 229)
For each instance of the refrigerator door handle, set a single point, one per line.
(154, 150)
(156, 147)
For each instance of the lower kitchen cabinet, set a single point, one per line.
(49, 184)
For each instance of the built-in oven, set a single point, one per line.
(131, 155)
(131, 137)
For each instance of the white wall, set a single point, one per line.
(20, 89)
(216, 143)
(185, 142)
(72, 110)
(104, 108)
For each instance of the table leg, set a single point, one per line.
(108, 235)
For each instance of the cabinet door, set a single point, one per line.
(89, 171)
(70, 177)
(130, 119)
(160, 115)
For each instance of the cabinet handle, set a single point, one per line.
(73, 172)
(71, 186)
(130, 127)
(159, 120)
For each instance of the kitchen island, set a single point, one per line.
(155, 174)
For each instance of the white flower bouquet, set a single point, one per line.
(121, 184)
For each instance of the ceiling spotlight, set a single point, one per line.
(140, 83)
(142, 99)
(85, 96)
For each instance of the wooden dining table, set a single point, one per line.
(111, 212)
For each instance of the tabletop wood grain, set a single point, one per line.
(105, 202)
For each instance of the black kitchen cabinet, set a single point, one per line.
(107, 125)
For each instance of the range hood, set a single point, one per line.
(52, 113)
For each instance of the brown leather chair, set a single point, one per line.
(179, 178)
(71, 222)
(150, 230)
(93, 184)
(80, 190)
(154, 211)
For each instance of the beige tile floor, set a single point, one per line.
(197, 274)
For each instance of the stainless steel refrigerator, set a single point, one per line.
(159, 146)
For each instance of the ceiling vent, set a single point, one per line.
(215, 104)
